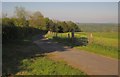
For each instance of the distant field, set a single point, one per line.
(98, 27)
(103, 43)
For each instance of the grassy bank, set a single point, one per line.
(45, 66)
(103, 43)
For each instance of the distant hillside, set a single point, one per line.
(98, 27)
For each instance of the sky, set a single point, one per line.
(82, 12)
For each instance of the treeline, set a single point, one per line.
(61, 26)
(23, 23)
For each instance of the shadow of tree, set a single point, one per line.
(17, 44)
(82, 41)
(48, 45)
(16, 50)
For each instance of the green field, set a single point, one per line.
(103, 43)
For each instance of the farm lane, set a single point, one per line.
(90, 63)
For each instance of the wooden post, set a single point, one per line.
(61, 34)
(68, 35)
(56, 34)
(72, 33)
(90, 38)
(49, 32)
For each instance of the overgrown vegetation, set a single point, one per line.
(11, 32)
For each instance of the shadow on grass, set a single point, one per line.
(28, 46)
(17, 44)
(82, 41)
(48, 46)
(16, 50)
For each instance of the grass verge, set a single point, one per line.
(45, 66)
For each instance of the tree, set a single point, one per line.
(21, 15)
(37, 20)
(65, 27)
(49, 24)
(73, 26)
(20, 12)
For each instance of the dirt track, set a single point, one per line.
(90, 63)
